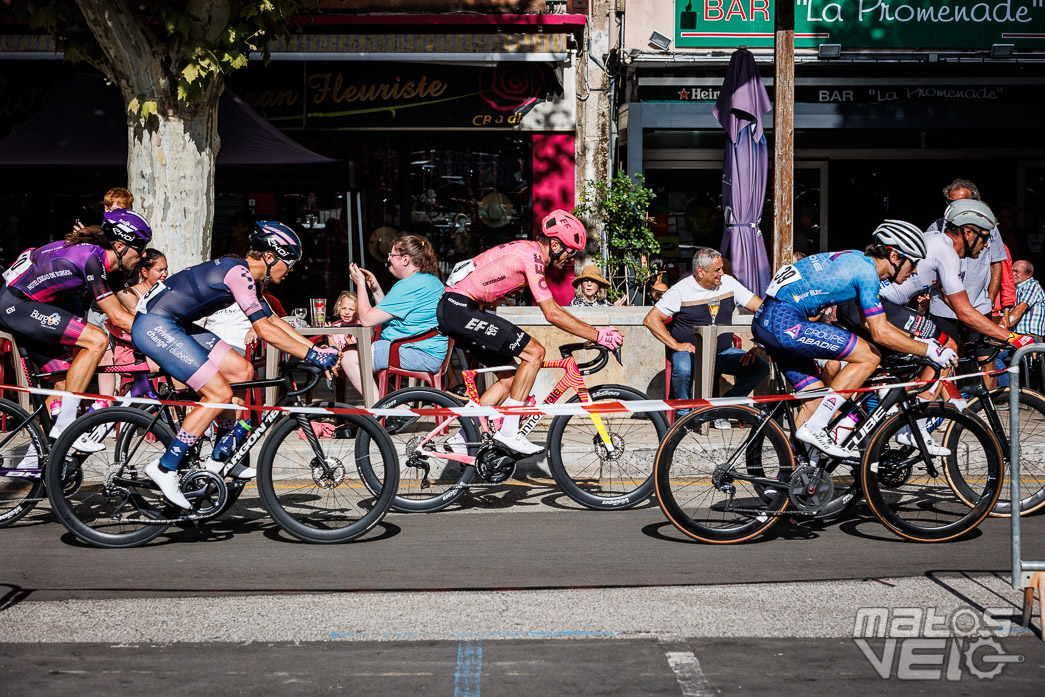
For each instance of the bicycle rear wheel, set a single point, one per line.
(315, 490)
(115, 504)
(703, 474)
(427, 483)
(23, 452)
(917, 499)
(589, 472)
(1032, 448)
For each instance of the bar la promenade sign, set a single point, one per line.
(867, 24)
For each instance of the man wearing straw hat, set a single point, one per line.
(688, 303)
(592, 289)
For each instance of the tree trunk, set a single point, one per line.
(173, 179)
(170, 155)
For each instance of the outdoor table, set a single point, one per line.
(364, 342)
(705, 343)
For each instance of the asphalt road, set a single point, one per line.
(519, 592)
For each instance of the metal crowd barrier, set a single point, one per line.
(1026, 575)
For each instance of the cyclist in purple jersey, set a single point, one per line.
(164, 330)
(800, 290)
(40, 302)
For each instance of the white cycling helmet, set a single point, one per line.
(904, 237)
(967, 211)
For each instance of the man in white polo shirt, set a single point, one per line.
(687, 304)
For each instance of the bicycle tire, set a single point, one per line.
(20, 437)
(1032, 448)
(319, 506)
(451, 480)
(918, 505)
(687, 466)
(97, 512)
(599, 479)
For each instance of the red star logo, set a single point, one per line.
(683, 93)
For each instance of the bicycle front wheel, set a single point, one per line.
(916, 497)
(428, 482)
(718, 486)
(1032, 447)
(112, 502)
(23, 452)
(310, 476)
(606, 477)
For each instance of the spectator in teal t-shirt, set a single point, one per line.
(407, 309)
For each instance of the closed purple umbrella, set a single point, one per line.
(739, 109)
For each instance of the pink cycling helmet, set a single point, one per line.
(565, 228)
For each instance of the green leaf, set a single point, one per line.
(148, 109)
(190, 73)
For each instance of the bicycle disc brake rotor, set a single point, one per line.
(894, 469)
(208, 488)
(73, 478)
(603, 452)
(494, 464)
(809, 493)
(332, 480)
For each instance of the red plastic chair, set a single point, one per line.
(394, 370)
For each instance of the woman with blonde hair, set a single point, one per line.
(407, 309)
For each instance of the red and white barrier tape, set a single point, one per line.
(571, 409)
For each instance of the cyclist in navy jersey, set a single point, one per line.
(164, 330)
(801, 290)
(43, 304)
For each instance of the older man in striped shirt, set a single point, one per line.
(1029, 314)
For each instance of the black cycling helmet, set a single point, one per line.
(273, 236)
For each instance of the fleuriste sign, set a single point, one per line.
(865, 24)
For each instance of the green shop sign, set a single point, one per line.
(904, 24)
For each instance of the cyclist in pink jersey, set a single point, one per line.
(491, 276)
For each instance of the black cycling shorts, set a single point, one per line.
(900, 316)
(491, 339)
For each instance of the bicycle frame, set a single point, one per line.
(571, 379)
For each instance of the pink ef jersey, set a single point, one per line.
(503, 270)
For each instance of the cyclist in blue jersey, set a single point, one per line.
(164, 330)
(801, 290)
(43, 305)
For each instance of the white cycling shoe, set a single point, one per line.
(823, 442)
(168, 483)
(518, 444)
(84, 444)
(240, 471)
(905, 437)
(457, 443)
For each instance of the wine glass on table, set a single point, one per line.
(713, 310)
(300, 313)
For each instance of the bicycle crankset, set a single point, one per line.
(810, 489)
(495, 464)
(206, 491)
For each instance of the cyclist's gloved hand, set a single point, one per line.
(1020, 340)
(610, 338)
(940, 355)
(325, 358)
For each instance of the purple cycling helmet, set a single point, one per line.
(124, 225)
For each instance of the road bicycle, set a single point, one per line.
(603, 461)
(729, 486)
(993, 407)
(24, 448)
(308, 472)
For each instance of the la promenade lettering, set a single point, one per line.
(330, 86)
(875, 12)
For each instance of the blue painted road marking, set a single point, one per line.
(469, 669)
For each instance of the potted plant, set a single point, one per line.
(618, 210)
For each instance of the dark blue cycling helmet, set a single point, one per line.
(273, 236)
(124, 225)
